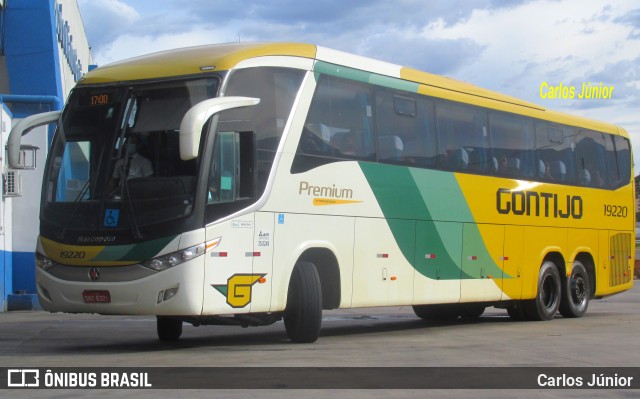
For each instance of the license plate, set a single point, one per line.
(96, 296)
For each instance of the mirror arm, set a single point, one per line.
(23, 127)
(197, 116)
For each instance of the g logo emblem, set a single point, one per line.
(238, 289)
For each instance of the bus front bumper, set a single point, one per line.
(176, 291)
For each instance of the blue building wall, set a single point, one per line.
(6, 256)
(31, 48)
(24, 278)
(6, 272)
(31, 42)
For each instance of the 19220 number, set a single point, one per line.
(72, 254)
(616, 211)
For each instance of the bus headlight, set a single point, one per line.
(43, 262)
(175, 258)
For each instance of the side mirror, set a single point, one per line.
(195, 119)
(23, 127)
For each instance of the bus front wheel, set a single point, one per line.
(303, 314)
(547, 300)
(575, 292)
(169, 329)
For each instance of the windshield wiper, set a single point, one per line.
(135, 229)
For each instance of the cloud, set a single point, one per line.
(623, 76)
(345, 25)
(631, 18)
(128, 46)
(506, 46)
(105, 20)
(441, 56)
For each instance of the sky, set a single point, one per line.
(523, 48)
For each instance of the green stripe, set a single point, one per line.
(134, 252)
(362, 76)
(113, 253)
(435, 201)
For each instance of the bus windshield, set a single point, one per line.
(115, 160)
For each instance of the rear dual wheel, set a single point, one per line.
(548, 298)
(568, 295)
(575, 292)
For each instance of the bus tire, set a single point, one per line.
(303, 314)
(575, 292)
(547, 301)
(437, 312)
(169, 329)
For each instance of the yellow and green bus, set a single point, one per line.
(246, 183)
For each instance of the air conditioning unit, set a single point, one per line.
(12, 184)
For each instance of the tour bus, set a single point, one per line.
(248, 183)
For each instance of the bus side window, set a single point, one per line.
(619, 161)
(339, 124)
(396, 122)
(591, 158)
(404, 129)
(277, 89)
(463, 140)
(555, 148)
(512, 139)
(623, 154)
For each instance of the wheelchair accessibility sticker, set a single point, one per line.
(111, 217)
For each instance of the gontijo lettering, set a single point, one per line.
(533, 203)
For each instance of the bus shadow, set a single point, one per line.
(272, 338)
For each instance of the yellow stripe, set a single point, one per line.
(331, 201)
(455, 90)
(75, 255)
(190, 60)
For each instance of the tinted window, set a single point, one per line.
(340, 120)
(405, 129)
(591, 159)
(462, 138)
(513, 145)
(339, 125)
(277, 89)
(623, 157)
(420, 131)
(555, 156)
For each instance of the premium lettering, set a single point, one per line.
(327, 191)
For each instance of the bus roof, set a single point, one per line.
(200, 60)
(192, 61)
